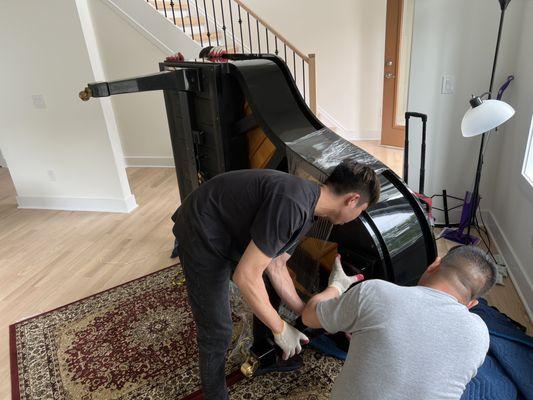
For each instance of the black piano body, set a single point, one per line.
(211, 109)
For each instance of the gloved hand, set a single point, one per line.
(339, 280)
(289, 340)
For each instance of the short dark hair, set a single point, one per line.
(472, 267)
(350, 176)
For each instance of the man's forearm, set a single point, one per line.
(256, 296)
(282, 282)
(309, 315)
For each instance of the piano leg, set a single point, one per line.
(265, 356)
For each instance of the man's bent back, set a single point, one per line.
(407, 342)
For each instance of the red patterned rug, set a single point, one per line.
(137, 341)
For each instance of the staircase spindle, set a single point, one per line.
(266, 34)
(285, 49)
(182, 19)
(198, 23)
(207, 23)
(258, 37)
(240, 26)
(232, 28)
(224, 25)
(173, 13)
(294, 66)
(156, 7)
(215, 19)
(303, 76)
(190, 19)
(276, 43)
(165, 8)
(249, 32)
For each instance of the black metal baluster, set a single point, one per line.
(224, 25)
(198, 23)
(232, 29)
(285, 49)
(173, 13)
(215, 18)
(207, 23)
(266, 34)
(294, 65)
(276, 42)
(258, 37)
(240, 26)
(182, 20)
(190, 20)
(249, 32)
(155, 2)
(303, 75)
(165, 7)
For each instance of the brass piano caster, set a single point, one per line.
(249, 367)
(86, 94)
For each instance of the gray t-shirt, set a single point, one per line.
(407, 342)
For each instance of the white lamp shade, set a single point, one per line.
(488, 115)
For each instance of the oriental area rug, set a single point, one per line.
(138, 341)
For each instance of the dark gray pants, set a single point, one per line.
(208, 292)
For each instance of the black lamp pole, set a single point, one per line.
(475, 201)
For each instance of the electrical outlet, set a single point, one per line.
(38, 101)
(447, 84)
(51, 175)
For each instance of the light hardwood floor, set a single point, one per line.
(51, 258)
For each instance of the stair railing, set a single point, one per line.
(232, 24)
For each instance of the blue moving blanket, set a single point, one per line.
(507, 372)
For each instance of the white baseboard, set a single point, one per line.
(78, 204)
(516, 269)
(328, 120)
(149, 162)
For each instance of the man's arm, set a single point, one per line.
(281, 280)
(338, 310)
(248, 276)
(309, 315)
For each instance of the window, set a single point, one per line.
(527, 170)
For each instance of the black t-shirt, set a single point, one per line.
(272, 208)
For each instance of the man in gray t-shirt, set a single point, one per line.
(408, 343)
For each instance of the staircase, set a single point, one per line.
(231, 24)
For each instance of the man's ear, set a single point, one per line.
(434, 266)
(472, 303)
(352, 199)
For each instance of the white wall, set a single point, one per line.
(510, 197)
(61, 156)
(458, 38)
(132, 39)
(348, 38)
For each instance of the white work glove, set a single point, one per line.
(339, 280)
(289, 340)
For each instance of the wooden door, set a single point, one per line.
(396, 71)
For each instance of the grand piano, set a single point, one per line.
(245, 111)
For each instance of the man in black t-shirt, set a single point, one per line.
(239, 225)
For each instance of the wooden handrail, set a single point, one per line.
(271, 29)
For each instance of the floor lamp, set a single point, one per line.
(480, 119)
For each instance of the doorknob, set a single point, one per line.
(388, 63)
(389, 75)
